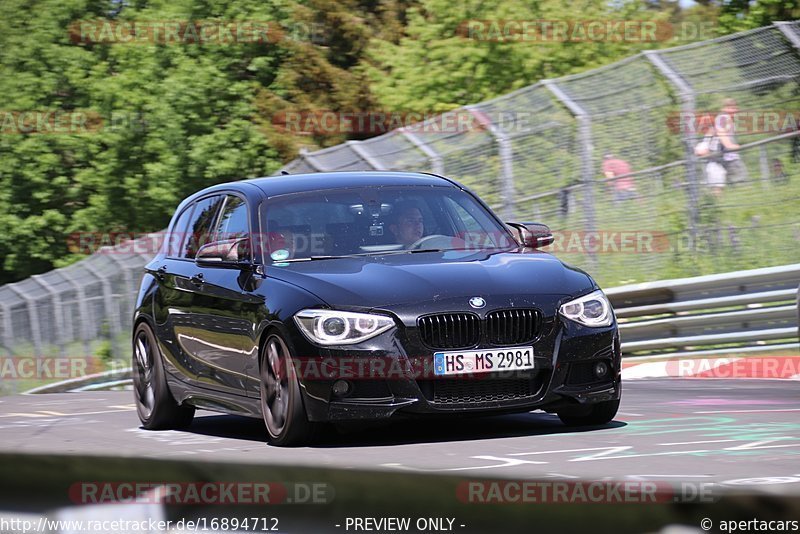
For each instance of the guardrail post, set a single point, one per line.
(587, 161)
(437, 165)
(506, 155)
(686, 95)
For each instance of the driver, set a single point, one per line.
(408, 226)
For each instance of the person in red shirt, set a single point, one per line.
(623, 188)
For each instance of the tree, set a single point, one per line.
(461, 53)
(167, 119)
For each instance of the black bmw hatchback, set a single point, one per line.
(337, 297)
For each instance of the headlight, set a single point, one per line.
(331, 327)
(589, 310)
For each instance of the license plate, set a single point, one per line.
(482, 361)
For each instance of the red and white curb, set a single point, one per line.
(776, 367)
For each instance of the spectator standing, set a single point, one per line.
(710, 146)
(623, 188)
(725, 127)
(777, 172)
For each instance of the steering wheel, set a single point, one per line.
(435, 241)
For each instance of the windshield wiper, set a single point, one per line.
(401, 251)
(363, 254)
(421, 250)
(311, 258)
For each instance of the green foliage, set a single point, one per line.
(438, 64)
(168, 119)
(740, 15)
(165, 120)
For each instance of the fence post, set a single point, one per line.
(127, 301)
(4, 340)
(309, 160)
(366, 156)
(58, 312)
(686, 95)
(437, 165)
(83, 310)
(36, 333)
(506, 154)
(108, 303)
(587, 161)
(763, 158)
(784, 28)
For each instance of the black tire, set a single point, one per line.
(597, 414)
(281, 401)
(155, 404)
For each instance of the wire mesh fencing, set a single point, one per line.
(540, 154)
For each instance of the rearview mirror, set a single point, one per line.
(227, 253)
(531, 234)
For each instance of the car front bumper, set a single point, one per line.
(402, 385)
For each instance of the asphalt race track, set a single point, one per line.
(737, 433)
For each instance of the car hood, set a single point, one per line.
(388, 280)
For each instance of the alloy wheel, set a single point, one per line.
(275, 380)
(143, 373)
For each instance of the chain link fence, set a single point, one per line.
(538, 155)
(539, 152)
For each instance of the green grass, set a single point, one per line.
(751, 225)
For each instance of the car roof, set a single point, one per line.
(296, 183)
(283, 184)
(270, 186)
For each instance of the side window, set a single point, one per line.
(461, 215)
(233, 221)
(178, 234)
(234, 224)
(200, 225)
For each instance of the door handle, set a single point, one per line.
(197, 279)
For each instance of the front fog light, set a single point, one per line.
(600, 369)
(341, 388)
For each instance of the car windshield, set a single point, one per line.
(378, 220)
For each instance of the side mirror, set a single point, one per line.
(228, 253)
(531, 234)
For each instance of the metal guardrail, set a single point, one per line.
(93, 382)
(744, 310)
